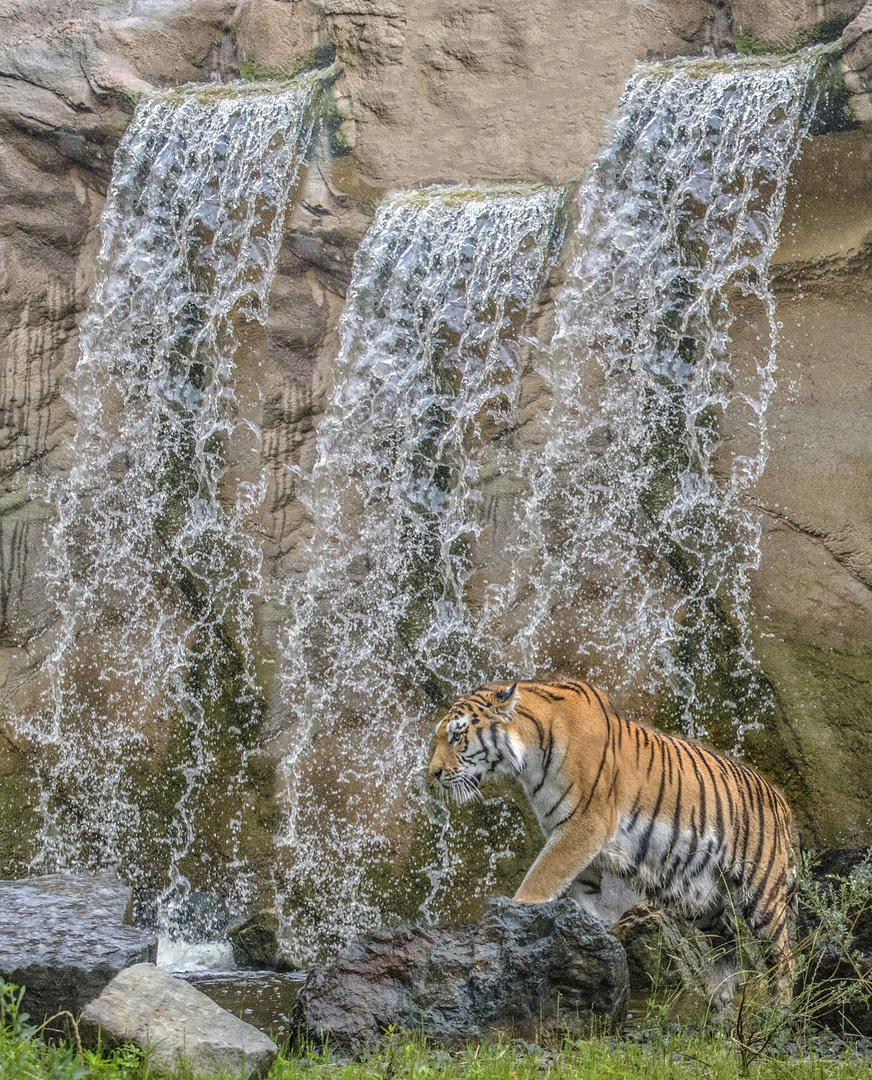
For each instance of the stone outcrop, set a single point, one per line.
(812, 593)
(175, 1022)
(256, 943)
(650, 960)
(857, 63)
(524, 969)
(65, 936)
(474, 75)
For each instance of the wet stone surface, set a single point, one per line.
(525, 968)
(64, 937)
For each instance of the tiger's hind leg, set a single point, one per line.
(720, 932)
(769, 925)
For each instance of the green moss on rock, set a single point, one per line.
(819, 33)
(19, 816)
(321, 56)
(818, 745)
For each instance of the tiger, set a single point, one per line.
(700, 833)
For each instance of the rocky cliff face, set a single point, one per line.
(432, 92)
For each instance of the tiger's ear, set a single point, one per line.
(505, 702)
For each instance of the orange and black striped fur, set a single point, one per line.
(701, 833)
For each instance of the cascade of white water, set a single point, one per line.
(151, 679)
(635, 539)
(427, 371)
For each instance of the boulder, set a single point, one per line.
(153, 1010)
(651, 960)
(527, 969)
(63, 937)
(857, 63)
(255, 942)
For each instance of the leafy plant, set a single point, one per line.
(833, 976)
(21, 1050)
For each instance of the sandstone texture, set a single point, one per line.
(175, 1022)
(857, 63)
(65, 936)
(524, 969)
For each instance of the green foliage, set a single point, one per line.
(832, 983)
(685, 1054)
(681, 1055)
(23, 1056)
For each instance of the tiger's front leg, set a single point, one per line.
(566, 853)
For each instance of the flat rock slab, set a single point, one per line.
(167, 1016)
(63, 937)
(528, 969)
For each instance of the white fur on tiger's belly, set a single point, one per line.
(609, 903)
(692, 886)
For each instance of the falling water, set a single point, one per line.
(630, 533)
(153, 691)
(380, 631)
(637, 523)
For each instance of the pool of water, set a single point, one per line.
(264, 999)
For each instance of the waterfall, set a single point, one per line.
(153, 704)
(620, 507)
(635, 538)
(630, 538)
(380, 630)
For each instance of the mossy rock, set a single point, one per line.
(822, 32)
(818, 744)
(321, 56)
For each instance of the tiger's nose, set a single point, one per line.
(436, 773)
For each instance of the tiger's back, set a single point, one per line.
(699, 831)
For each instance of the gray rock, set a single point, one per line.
(650, 958)
(63, 937)
(525, 968)
(255, 942)
(167, 1016)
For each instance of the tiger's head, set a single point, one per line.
(474, 740)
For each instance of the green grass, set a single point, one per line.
(656, 1055)
(667, 1057)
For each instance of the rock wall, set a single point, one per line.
(429, 91)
